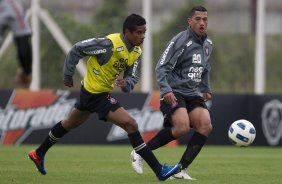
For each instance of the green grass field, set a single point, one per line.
(111, 164)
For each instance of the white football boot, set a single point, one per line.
(136, 162)
(182, 175)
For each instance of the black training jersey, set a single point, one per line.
(184, 66)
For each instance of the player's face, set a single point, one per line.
(199, 23)
(136, 37)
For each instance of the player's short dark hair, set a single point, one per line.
(197, 8)
(132, 21)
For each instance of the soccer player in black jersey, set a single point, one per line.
(113, 60)
(183, 77)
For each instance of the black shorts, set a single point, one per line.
(190, 103)
(101, 103)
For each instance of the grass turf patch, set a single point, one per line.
(70, 164)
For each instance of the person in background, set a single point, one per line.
(113, 60)
(183, 77)
(12, 17)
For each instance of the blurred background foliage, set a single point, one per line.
(232, 60)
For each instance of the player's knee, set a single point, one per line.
(180, 130)
(130, 125)
(209, 128)
(205, 128)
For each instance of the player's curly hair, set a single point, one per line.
(132, 21)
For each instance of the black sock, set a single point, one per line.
(144, 151)
(54, 135)
(193, 148)
(163, 137)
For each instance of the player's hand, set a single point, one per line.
(207, 96)
(68, 83)
(120, 82)
(169, 98)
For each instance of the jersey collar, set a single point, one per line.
(128, 45)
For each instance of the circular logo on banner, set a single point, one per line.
(272, 121)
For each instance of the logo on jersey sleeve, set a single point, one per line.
(165, 53)
(95, 52)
